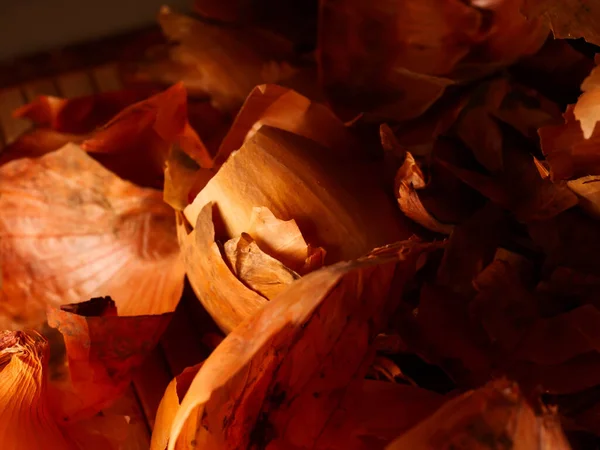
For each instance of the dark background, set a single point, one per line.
(32, 26)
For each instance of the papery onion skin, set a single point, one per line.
(279, 367)
(568, 19)
(70, 229)
(234, 279)
(337, 205)
(80, 115)
(103, 350)
(30, 410)
(494, 416)
(222, 63)
(26, 416)
(224, 296)
(169, 405)
(393, 60)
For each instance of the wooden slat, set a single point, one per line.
(78, 57)
(11, 99)
(107, 78)
(37, 88)
(75, 84)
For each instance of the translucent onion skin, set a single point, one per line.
(26, 417)
(337, 204)
(72, 230)
(282, 352)
(494, 416)
(372, 62)
(30, 405)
